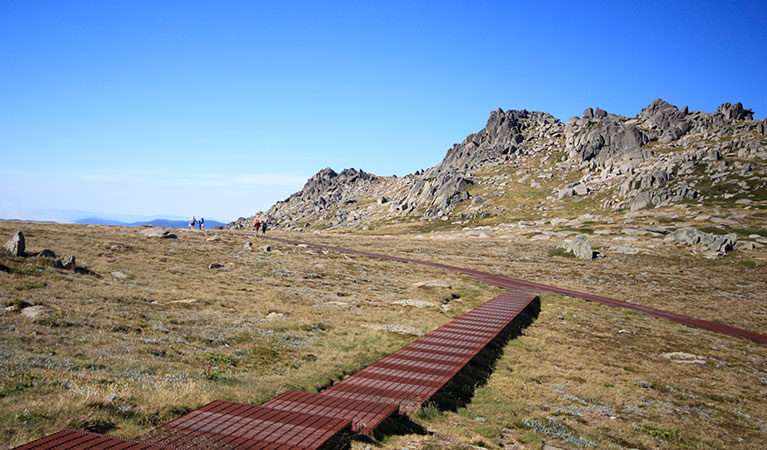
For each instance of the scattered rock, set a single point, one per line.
(184, 301)
(718, 244)
(312, 276)
(215, 266)
(36, 312)
(745, 245)
(394, 328)
(266, 248)
(684, 358)
(46, 253)
(213, 238)
(432, 284)
(155, 232)
(16, 245)
(248, 246)
(66, 262)
(580, 189)
(274, 315)
(623, 249)
(335, 304)
(119, 275)
(480, 232)
(420, 304)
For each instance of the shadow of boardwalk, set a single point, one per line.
(459, 391)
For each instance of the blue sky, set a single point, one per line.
(221, 108)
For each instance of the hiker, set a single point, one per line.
(192, 223)
(263, 226)
(257, 224)
(202, 222)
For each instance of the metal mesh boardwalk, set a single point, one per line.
(412, 375)
(75, 439)
(400, 382)
(531, 286)
(364, 415)
(242, 426)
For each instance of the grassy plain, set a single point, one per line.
(123, 355)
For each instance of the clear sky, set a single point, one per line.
(221, 108)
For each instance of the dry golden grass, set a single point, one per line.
(672, 279)
(123, 356)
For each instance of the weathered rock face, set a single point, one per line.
(602, 137)
(16, 245)
(609, 136)
(664, 121)
(735, 112)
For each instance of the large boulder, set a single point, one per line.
(155, 232)
(579, 246)
(16, 245)
(603, 137)
(664, 121)
(735, 112)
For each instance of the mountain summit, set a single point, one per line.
(524, 163)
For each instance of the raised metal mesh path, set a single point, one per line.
(399, 383)
(530, 286)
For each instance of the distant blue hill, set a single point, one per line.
(167, 223)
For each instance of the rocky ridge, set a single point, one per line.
(529, 163)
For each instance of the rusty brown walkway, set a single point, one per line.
(397, 384)
(530, 286)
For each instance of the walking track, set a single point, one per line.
(398, 384)
(516, 283)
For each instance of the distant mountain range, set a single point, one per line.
(167, 223)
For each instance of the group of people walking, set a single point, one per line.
(194, 222)
(261, 224)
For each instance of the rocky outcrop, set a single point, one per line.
(579, 246)
(506, 135)
(664, 122)
(601, 137)
(662, 156)
(718, 244)
(326, 190)
(16, 245)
